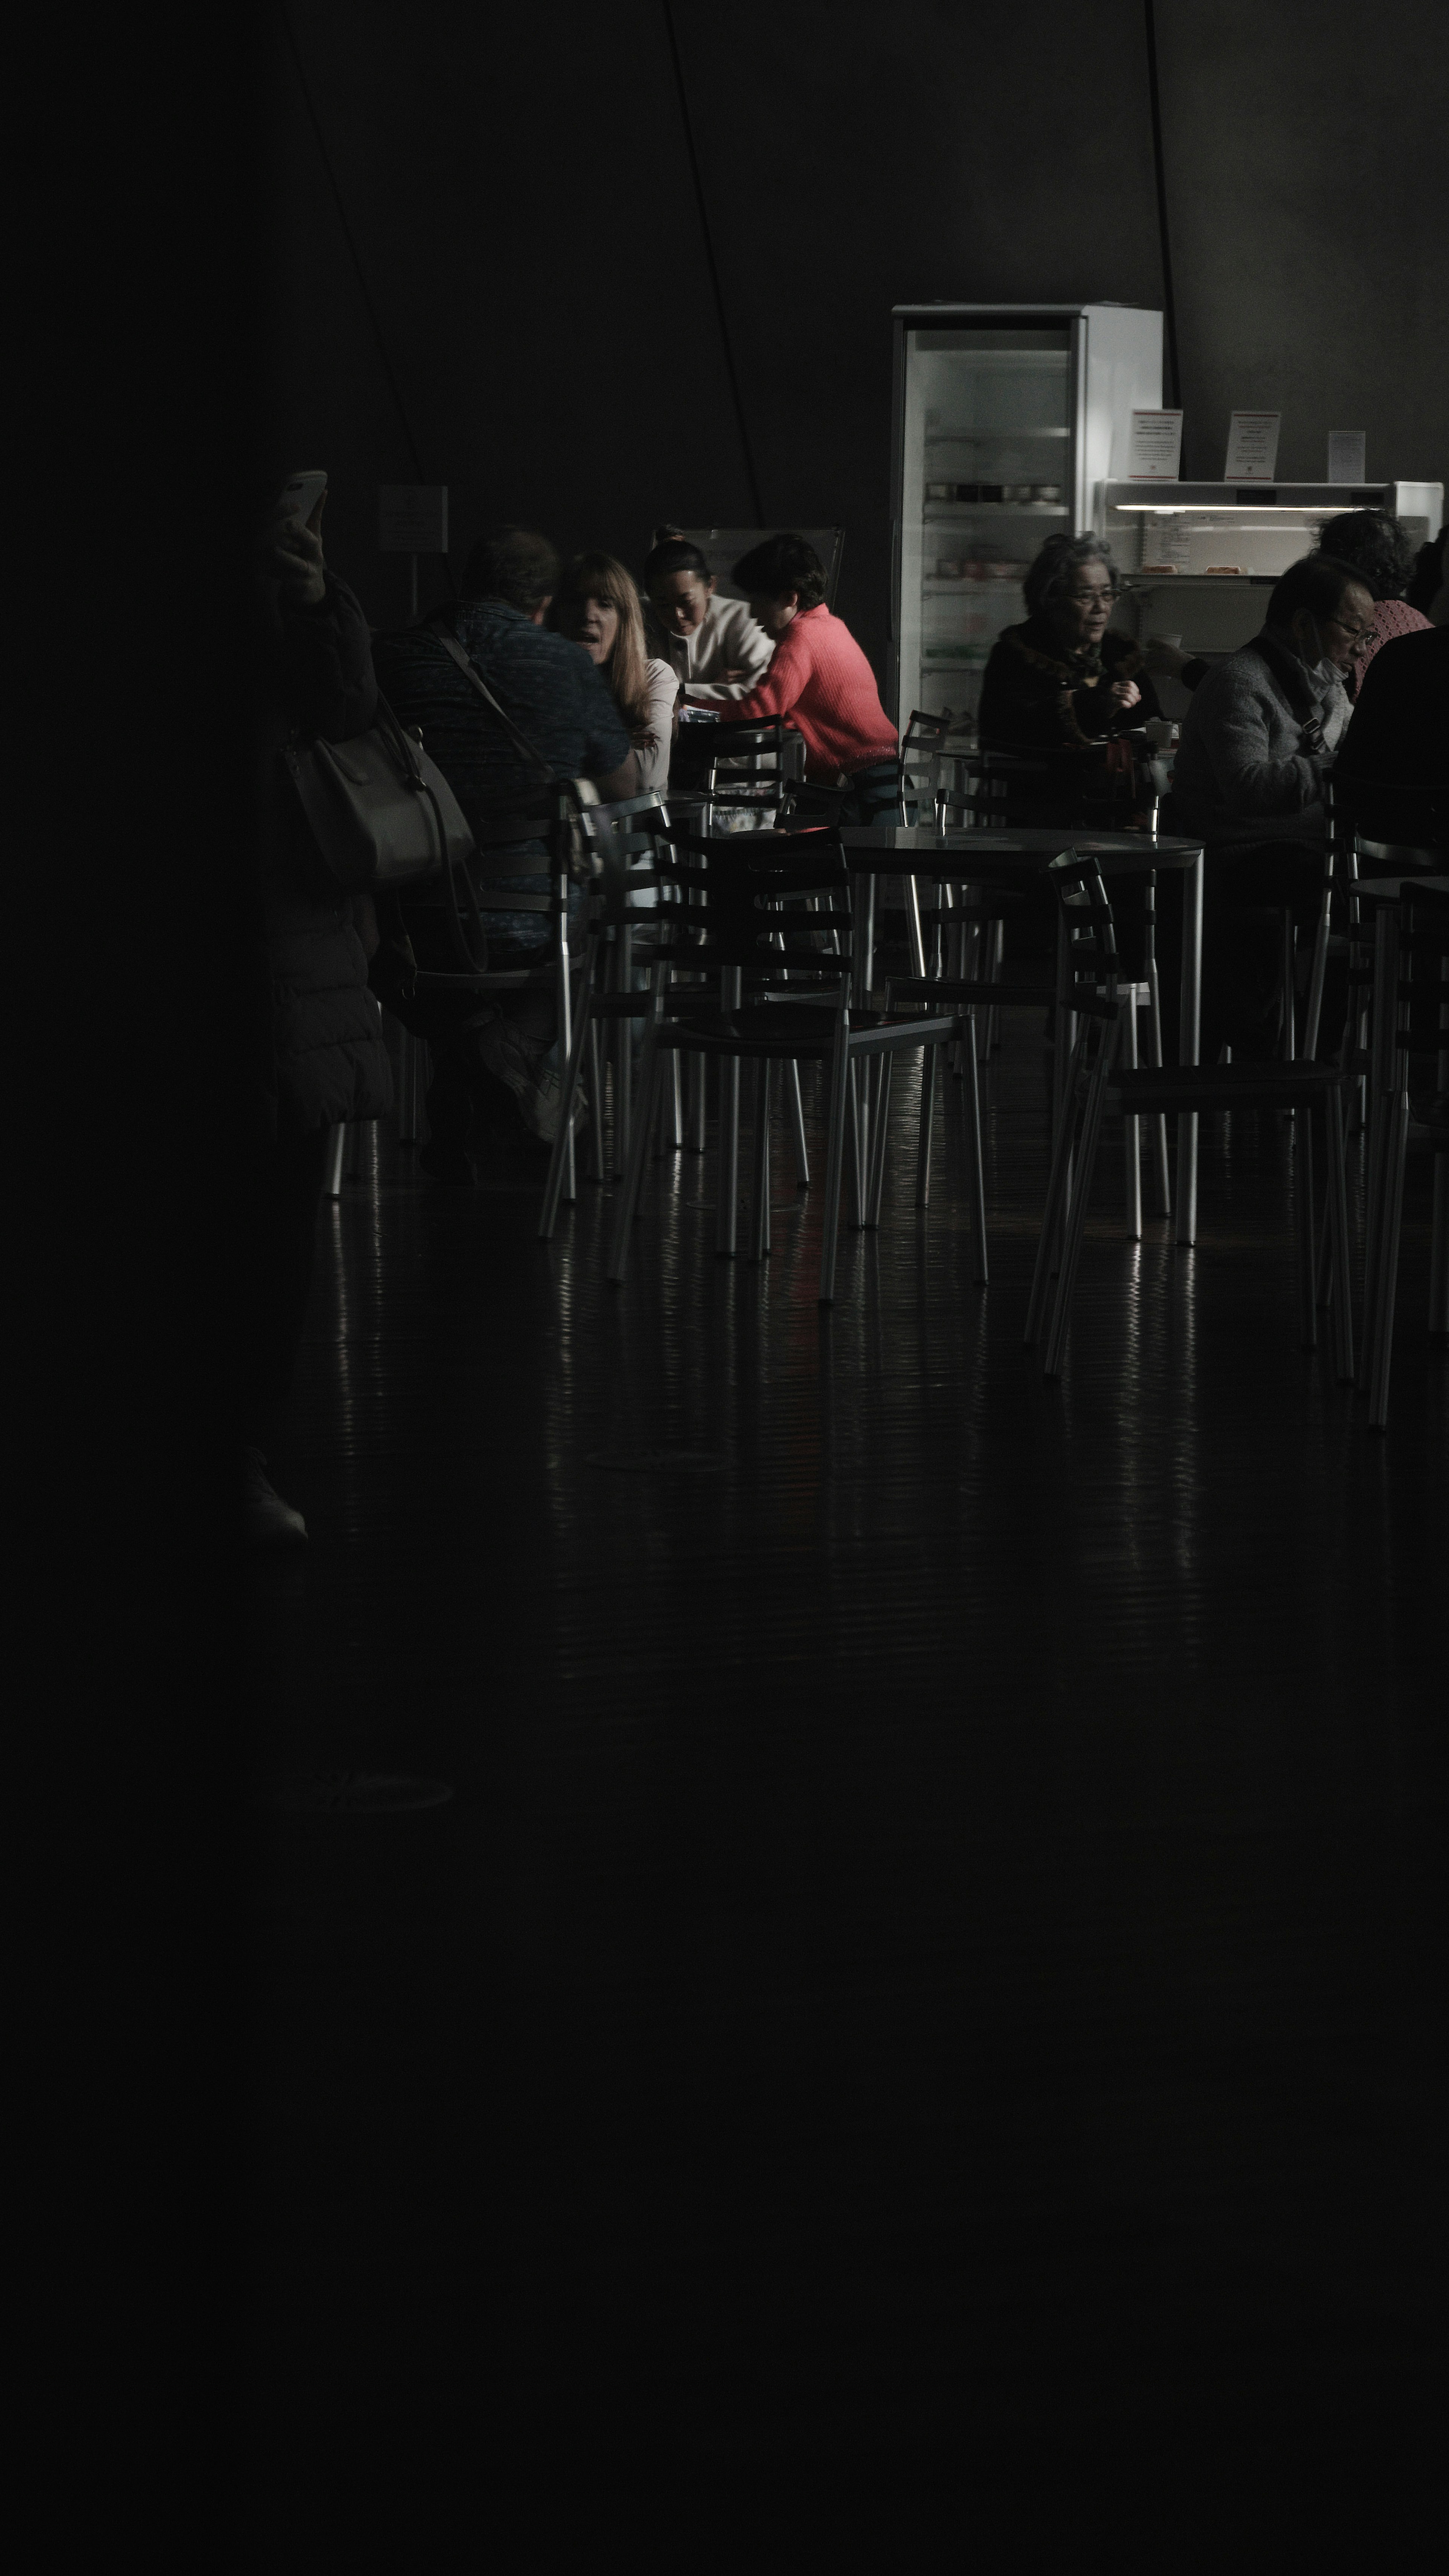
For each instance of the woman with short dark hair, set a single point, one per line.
(1380, 550)
(712, 645)
(819, 677)
(1064, 682)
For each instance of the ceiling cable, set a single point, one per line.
(719, 302)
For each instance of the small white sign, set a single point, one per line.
(1252, 447)
(412, 518)
(1156, 450)
(1347, 451)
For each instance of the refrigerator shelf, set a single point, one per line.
(935, 511)
(993, 437)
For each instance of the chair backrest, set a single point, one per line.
(1091, 934)
(630, 856)
(735, 901)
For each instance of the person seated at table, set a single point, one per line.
(1391, 777)
(1066, 684)
(496, 1054)
(1256, 745)
(712, 645)
(818, 679)
(598, 606)
(1380, 550)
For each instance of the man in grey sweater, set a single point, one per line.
(1257, 743)
(1264, 724)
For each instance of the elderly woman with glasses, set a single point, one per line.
(1064, 683)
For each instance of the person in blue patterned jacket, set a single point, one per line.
(561, 706)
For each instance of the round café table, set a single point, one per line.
(912, 851)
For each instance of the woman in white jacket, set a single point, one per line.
(713, 646)
(599, 607)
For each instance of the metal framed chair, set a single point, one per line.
(785, 997)
(1095, 1083)
(1410, 1016)
(622, 933)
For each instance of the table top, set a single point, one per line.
(1121, 853)
(1389, 890)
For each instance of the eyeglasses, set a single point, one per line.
(1354, 634)
(1089, 598)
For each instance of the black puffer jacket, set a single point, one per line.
(325, 1060)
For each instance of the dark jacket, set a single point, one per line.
(1256, 744)
(323, 1060)
(1036, 698)
(548, 686)
(1392, 770)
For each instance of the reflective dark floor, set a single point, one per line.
(930, 1955)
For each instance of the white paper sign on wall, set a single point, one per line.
(412, 518)
(1252, 447)
(1156, 449)
(1347, 452)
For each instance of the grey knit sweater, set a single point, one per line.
(1256, 742)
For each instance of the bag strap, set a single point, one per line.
(519, 740)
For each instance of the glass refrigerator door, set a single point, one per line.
(989, 469)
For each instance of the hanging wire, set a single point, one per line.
(1169, 303)
(394, 388)
(719, 302)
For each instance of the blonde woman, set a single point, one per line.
(599, 607)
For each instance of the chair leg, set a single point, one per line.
(676, 1103)
(761, 1230)
(627, 1199)
(840, 1118)
(1077, 1216)
(1289, 996)
(727, 1217)
(1131, 1127)
(1313, 1011)
(1161, 1163)
(597, 1056)
(1380, 1119)
(1336, 1193)
(1439, 1249)
(879, 1139)
(332, 1164)
(623, 1093)
(852, 1148)
(1055, 1198)
(1307, 1232)
(928, 1112)
(976, 1176)
(1381, 1357)
(694, 1083)
(558, 1161)
(797, 1124)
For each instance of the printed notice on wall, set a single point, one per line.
(1156, 449)
(1347, 455)
(1252, 447)
(412, 518)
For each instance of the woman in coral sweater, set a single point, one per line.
(818, 677)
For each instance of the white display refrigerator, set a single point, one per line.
(1009, 420)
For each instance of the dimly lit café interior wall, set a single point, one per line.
(490, 269)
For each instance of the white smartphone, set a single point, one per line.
(299, 497)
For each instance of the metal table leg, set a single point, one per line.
(1187, 1053)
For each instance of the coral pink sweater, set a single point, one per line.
(821, 680)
